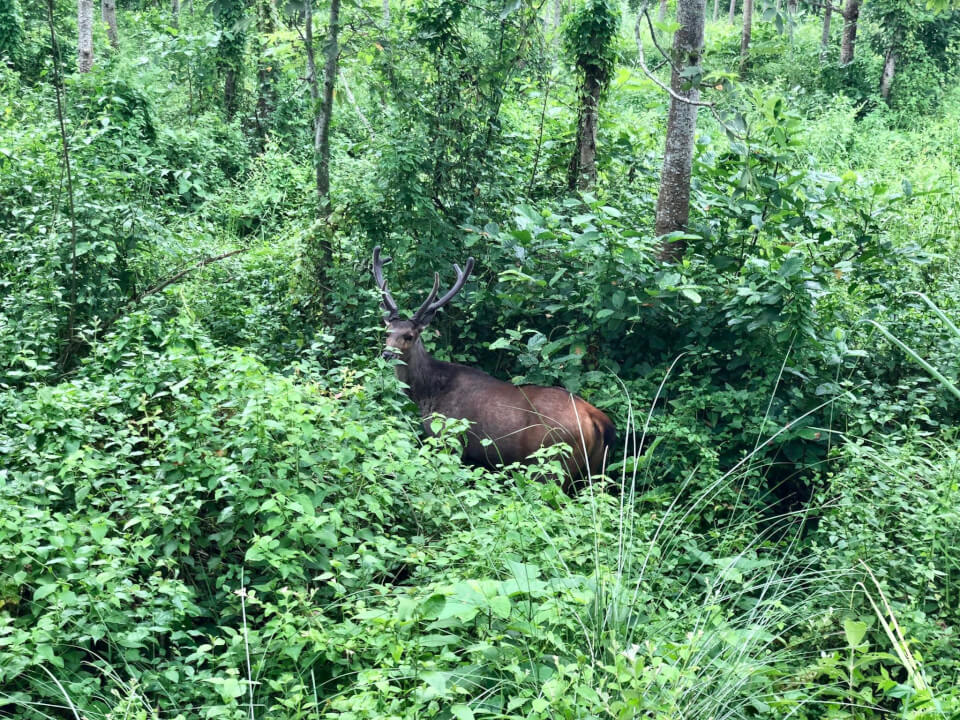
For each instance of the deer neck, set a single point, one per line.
(417, 374)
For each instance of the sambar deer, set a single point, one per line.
(515, 421)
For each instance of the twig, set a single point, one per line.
(164, 284)
(666, 88)
(536, 157)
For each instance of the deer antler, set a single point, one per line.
(388, 303)
(429, 308)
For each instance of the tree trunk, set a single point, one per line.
(266, 78)
(733, 10)
(386, 12)
(321, 139)
(84, 35)
(745, 35)
(175, 12)
(716, 10)
(673, 201)
(889, 68)
(312, 80)
(583, 165)
(792, 7)
(108, 11)
(851, 13)
(825, 35)
(229, 20)
(230, 91)
(662, 12)
(322, 105)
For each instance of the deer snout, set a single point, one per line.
(389, 355)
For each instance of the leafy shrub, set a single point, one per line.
(182, 474)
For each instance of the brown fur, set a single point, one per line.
(518, 420)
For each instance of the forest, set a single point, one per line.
(733, 230)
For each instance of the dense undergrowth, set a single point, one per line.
(215, 502)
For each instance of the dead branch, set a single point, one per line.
(176, 277)
(670, 91)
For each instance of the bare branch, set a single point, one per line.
(670, 91)
(176, 277)
(653, 37)
(656, 81)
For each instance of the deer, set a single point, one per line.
(507, 423)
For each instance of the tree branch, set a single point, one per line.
(176, 277)
(667, 89)
(653, 37)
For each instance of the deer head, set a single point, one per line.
(403, 335)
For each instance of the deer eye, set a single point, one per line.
(408, 337)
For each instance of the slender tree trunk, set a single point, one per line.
(733, 10)
(84, 35)
(312, 80)
(662, 12)
(322, 105)
(266, 78)
(889, 68)
(108, 11)
(851, 13)
(745, 35)
(229, 20)
(321, 140)
(175, 12)
(230, 91)
(557, 14)
(386, 12)
(825, 35)
(792, 7)
(583, 165)
(673, 201)
(716, 10)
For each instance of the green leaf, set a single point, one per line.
(500, 605)
(461, 712)
(539, 705)
(231, 688)
(433, 606)
(43, 590)
(854, 630)
(691, 295)
(791, 266)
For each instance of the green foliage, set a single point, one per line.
(11, 31)
(231, 23)
(589, 38)
(258, 475)
(925, 45)
(221, 506)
